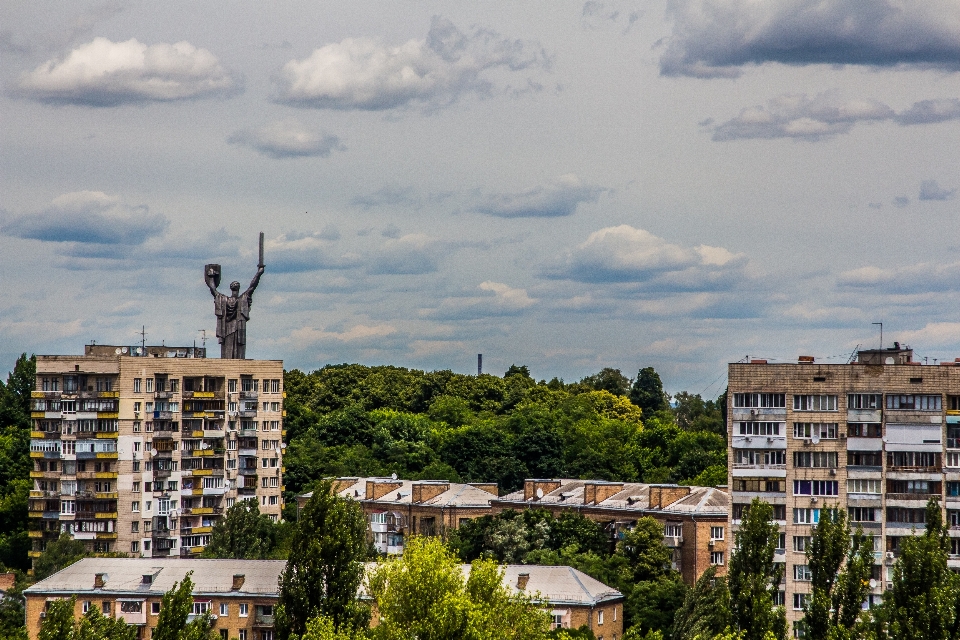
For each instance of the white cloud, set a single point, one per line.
(414, 253)
(499, 299)
(361, 73)
(103, 73)
(362, 333)
(628, 254)
(717, 38)
(910, 279)
(288, 139)
(559, 197)
(298, 252)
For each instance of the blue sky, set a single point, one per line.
(566, 185)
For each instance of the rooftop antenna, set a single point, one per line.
(203, 337)
(479, 364)
(853, 354)
(143, 339)
(881, 334)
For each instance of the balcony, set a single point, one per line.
(953, 443)
(263, 620)
(247, 413)
(163, 415)
(779, 467)
(249, 395)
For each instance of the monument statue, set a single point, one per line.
(232, 311)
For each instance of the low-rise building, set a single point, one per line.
(694, 518)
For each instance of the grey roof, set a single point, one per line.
(635, 496)
(458, 495)
(125, 575)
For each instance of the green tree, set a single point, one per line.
(754, 578)
(647, 392)
(244, 533)
(59, 624)
(325, 567)
(424, 595)
(706, 609)
(647, 556)
(322, 628)
(693, 413)
(13, 610)
(175, 608)
(921, 603)
(608, 379)
(59, 554)
(15, 462)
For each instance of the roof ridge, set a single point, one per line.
(573, 572)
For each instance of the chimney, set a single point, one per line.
(423, 491)
(522, 580)
(376, 489)
(147, 578)
(99, 579)
(237, 582)
(543, 486)
(489, 487)
(597, 492)
(663, 495)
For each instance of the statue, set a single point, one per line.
(232, 311)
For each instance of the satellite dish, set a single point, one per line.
(815, 439)
(117, 351)
(539, 493)
(889, 360)
(123, 350)
(393, 476)
(873, 583)
(153, 452)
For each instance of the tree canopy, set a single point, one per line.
(243, 533)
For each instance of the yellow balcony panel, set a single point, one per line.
(197, 453)
(105, 475)
(200, 511)
(33, 554)
(36, 494)
(283, 433)
(196, 549)
(196, 434)
(37, 414)
(107, 414)
(108, 495)
(203, 472)
(203, 394)
(197, 492)
(37, 394)
(36, 474)
(953, 412)
(108, 454)
(284, 394)
(284, 413)
(36, 454)
(105, 515)
(35, 514)
(105, 535)
(283, 487)
(108, 435)
(37, 434)
(202, 530)
(108, 394)
(35, 534)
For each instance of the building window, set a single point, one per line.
(814, 403)
(863, 486)
(716, 558)
(135, 506)
(865, 430)
(815, 488)
(149, 386)
(863, 401)
(224, 609)
(600, 616)
(759, 428)
(137, 385)
(231, 386)
(242, 634)
(801, 572)
(155, 608)
(864, 458)
(821, 430)
(135, 547)
(913, 459)
(758, 485)
(806, 516)
(800, 601)
(815, 459)
(716, 533)
(757, 457)
(759, 400)
(86, 605)
(915, 402)
(244, 609)
(801, 543)
(135, 526)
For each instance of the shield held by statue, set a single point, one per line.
(212, 274)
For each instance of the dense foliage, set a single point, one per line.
(243, 533)
(15, 463)
(358, 420)
(93, 625)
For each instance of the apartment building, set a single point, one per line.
(694, 519)
(140, 450)
(876, 437)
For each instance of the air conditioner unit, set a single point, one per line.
(843, 435)
(814, 500)
(889, 555)
(753, 412)
(833, 472)
(43, 615)
(711, 543)
(769, 438)
(889, 585)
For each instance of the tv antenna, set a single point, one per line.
(203, 337)
(143, 338)
(881, 334)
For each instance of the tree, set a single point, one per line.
(175, 607)
(424, 594)
(921, 603)
(836, 596)
(59, 554)
(59, 624)
(322, 628)
(608, 380)
(13, 610)
(325, 567)
(244, 533)
(754, 578)
(706, 609)
(647, 556)
(15, 462)
(647, 391)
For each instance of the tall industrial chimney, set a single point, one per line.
(479, 364)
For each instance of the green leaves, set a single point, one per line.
(754, 578)
(244, 533)
(59, 624)
(59, 554)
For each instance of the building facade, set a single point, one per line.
(877, 438)
(694, 519)
(140, 451)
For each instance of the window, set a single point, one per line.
(135, 506)
(801, 543)
(863, 401)
(155, 608)
(242, 634)
(915, 402)
(600, 616)
(904, 515)
(862, 514)
(759, 428)
(864, 458)
(243, 609)
(224, 609)
(232, 386)
(815, 459)
(815, 488)
(131, 606)
(149, 386)
(135, 526)
(801, 572)
(716, 533)
(759, 485)
(822, 430)
(201, 607)
(135, 546)
(921, 487)
(716, 557)
(136, 465)
(759, 400)
(864, 430)
(800, 601)
(275, 386)
(814, 403)
(913, 459)
(806, 516)
(863, 486)
(137, 385)
(756, 457)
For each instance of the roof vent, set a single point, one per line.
(522, 580)
(147, 578)
(238, 579)
(99, 579)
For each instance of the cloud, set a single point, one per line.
(88, 217)
(364, 74)
(800, 117)
(288, 139)
(359, 333)
(559, 197)
(931, 111)
(498, 300)
(412, 254)
(901, 201)
(102, 73)
(625, 254)
(930, 190)
(597, 15)
(934, 334)
(296, 253)
(717, 38)
(910, 279)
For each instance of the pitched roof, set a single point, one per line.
(210, 577)
(634, 496)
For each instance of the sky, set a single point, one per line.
(565, 185)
